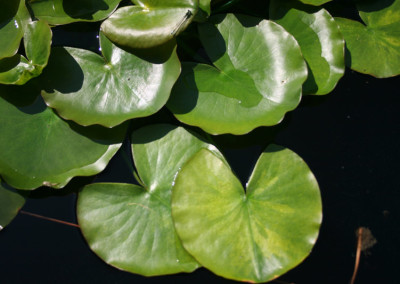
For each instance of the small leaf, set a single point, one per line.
(251, 236)
(39, 148)
(10, 203)
(130, 227)
(11, 31)
(18, 69)
(149, 23)
(320, 41)
(90, 89)
(256, 77)
(61, 12)
(374, 48)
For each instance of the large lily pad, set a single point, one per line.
(18, 70)
(10, 28)
(256, 77)
(374, 48)
(10, 203)
(320, 40)
(39, 148)
(91, 89)
(61, 12)
(130, 226)
(150, 22)
(253, 235)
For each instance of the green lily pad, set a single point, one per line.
(39, 148)
(91, 89)
(61, 12)
(150, 22)
(10, 28)
(17, 70)
(320, 41)
(254, 235)
(10, 203)
(256, 77)
(130, 226)
(315, 2)
(374, 48)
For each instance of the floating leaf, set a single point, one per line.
(256, 77)
(320, 41)
(374, 48)
(10, 203)
(39, 148)
(61, 12)
(129, 226)
(253, 235)
(11, 31)
(150, 23)
(90, 89)
(18, 70)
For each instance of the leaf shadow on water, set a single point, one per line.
(373, 5)
(9, 10)
(62, 73)
(83, 9)
(26, 97)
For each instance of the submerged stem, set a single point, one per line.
(49, 219)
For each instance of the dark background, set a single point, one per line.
(350, 140)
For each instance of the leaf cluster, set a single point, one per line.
(214, 68)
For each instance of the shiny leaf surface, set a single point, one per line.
(60, 12)
(251, 236)
(10, 28)
(91, 89)
(39, 148)
(256, 77)
(374, 48)
(320, 41)
(149, 23)
(17, 70)
(129, 226)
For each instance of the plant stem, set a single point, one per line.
(358, 254)
(49, 219)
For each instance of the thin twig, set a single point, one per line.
(49, 219)
(358, 254)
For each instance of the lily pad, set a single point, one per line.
(91, 89)
(253, 235)
(320, 41)
(10, 203)
(150, 22)
(61, 12)
(256, 77)
(39, 148)
(10, 28)
(130, 226)
(373, 47)
(18, 70)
